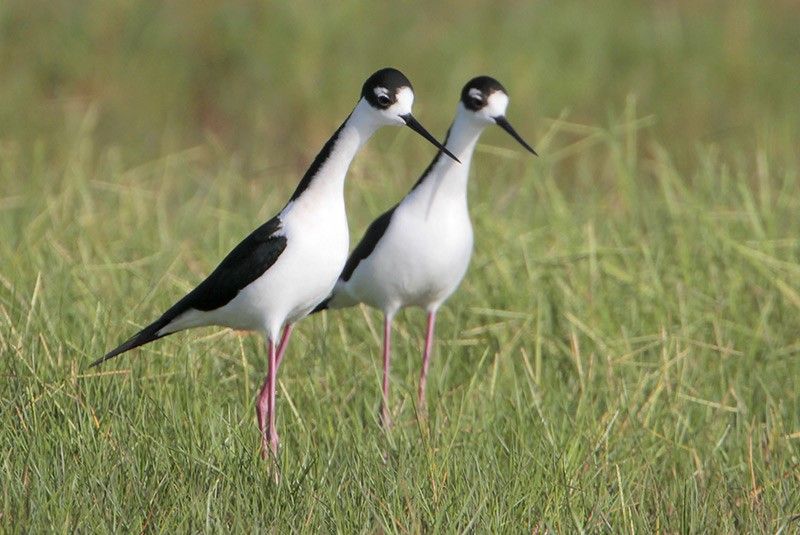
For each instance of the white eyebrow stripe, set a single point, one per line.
(476, 93)
(381, 91)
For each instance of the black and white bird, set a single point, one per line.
(417, 252)
(288, 265)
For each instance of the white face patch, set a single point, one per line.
(405, 99)
(476, 93)
(393, 115)
(496, 104)
(402, 105)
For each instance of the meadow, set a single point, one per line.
(622, 356)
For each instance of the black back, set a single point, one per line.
(320, 159)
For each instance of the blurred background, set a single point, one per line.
(269, 81)
(623, 351)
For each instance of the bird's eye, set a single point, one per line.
(477, 102)
(383, 100)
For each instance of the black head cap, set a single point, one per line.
(476, 93)
(380, 89)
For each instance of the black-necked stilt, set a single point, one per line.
(416, 253)
(284, 268)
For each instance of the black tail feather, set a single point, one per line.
(145, 336)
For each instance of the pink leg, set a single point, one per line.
(426, 359)
(387, 357)
(287, 332)
(265, 407)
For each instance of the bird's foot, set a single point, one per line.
(386, 419)
(269, 446)
(422, 404)
(269, 453)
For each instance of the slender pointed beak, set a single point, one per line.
(414, 125)
(503, 123)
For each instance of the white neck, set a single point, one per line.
(447, 180)
(323, 183)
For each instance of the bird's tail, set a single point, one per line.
(145, 336)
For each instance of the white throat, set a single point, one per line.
(325, 185)
(464, 134)
(447, 180)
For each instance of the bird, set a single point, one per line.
(288, 265)
(417, 252)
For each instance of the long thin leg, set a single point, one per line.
(426, 359)
(272, 375)
(387, 357)
(287, 332)
(265, 407)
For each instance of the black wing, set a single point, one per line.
(364, 248)
(244, 264)
(378, 227)
(367, 244)
(376, 230)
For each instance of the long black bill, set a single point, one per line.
(503, 123)
(414, 125)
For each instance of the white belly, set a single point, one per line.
(420, 261)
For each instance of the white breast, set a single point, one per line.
(419, 261)
(425, 251)
(303, 275)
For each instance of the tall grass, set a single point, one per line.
(622, 356)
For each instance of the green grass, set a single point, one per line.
(622, 356)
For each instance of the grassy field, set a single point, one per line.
(623, 355)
